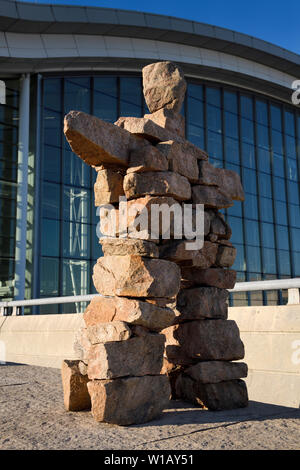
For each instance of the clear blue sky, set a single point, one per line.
(274, 21)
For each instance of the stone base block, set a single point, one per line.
(131, 400)
(76, 395)
(219, 396)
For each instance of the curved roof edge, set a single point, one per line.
(21, 17)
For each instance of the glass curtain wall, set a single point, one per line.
(9, 115)
(256, 137)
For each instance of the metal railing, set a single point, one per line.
(292, 285)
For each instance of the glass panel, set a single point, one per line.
(261, 112)
(231, 126)
(253, 259)
(76, 240)
(282, 237)
(76, 275)
(276, 117)
(213, 96)
(130, 96)
(290, 146)
(250, 206)
(76, 204)
(252, 232)
(9, 115)
(49, 273)
(51, 163)
(51, 200)
(232, 152)
(7, 227)
(268, 239)
(106, 98)
(265, 185)
(53, 128)
(52, 94)
(262, 135)
(295, 238)
(239, 263)
(292, 172)
(8, 134)
(7, 246)
(266, 209)
(277, 142)
(293, 192)
(214, 145)
(230, 101)
(50, 237)
(248, 155)
(249, 181)
(236, 209)
(280, 212)
(284, 262)
(278, 165)
(296, 257)
(246, 107)
(263, 160)
(77, 94)
(289, 123)
(195, 135)
(213, 117)
(195, 105)
(75, 171)
(294, 212)
(247, 131)
(279, 189)
(236, 225)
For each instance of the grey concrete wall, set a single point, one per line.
(271, 336)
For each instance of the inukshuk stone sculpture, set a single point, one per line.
(162, 316)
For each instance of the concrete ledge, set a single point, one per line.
(271, 336)
(41, 340)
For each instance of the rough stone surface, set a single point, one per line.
(136, 356)
(219, 396)
(168, 119)
(76, 395)
(160, 183)
(164, 86)
(147, 129)
(228, 181)
(180, 161)
(147, 159)
(202, 302)
(108, 187)
(230, 184)
(215, 277)
(96, 141)
(129, 400)
(211, 197)
(205, 340)
(219, 226)
(81, 344)
(211, 372)
(135, 276)
(226, 256)
(128, 246)
(107, 332)
(141, 207)
(135, 312)
(177, 252)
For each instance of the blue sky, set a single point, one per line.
(274, 21)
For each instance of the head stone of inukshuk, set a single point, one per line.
(159, 329)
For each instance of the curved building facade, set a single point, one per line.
(238, 108)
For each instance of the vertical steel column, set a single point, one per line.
(21, 212)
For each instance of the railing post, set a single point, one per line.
(293, 297)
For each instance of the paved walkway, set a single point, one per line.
(32, 416)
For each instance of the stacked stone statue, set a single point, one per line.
(161, 318)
